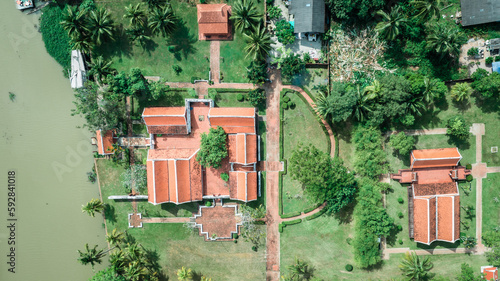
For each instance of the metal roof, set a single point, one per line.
(480, 11)
(309, 15)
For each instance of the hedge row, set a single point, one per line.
(292, 222)
(291, 215)
(281, 174)
(312, 208)
(317, 215)
(229, 90)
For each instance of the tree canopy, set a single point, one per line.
(325, 178)
(402, 143)
(457, 127)
(213, 148)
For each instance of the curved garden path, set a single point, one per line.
(311, 103)
(305, 215)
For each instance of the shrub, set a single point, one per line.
(400, 214)
(224, 176)
(274, 12)
(489, 60)
(290, 215)
(213, 148)
(497, 58)
(281, 226)
(240, 97)
(458, 127)
(473, 52)
(212, 94)
(254, 248)
(285, 99)
(292, 222)
(317, 215)
(235, 235)
(171, 49)
(402, 143)
(306, 57)
(235, 241)
(400, 241)
(208, 203)
(468, 166)
(177, 69)
(56, 39)
(257, 97)
(469, 178)
(348, 267)
(284, 32)
(284, 105)
(291, 105)
(399, 227)
(401, 200)
(269, 2)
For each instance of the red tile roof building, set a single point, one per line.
(433, 198)
(213, 21)
(490, 272)
(173, 173)
(105, 141)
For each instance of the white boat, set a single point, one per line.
(24, 4)
(78, 72)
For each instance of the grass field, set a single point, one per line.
(324, 244)
(190, 54)
(311, 79)
(229, 99)
(300, 125)
(491, 209)
(175, 245)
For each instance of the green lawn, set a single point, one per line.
(311, 79)
(300, 125)
(173, 97)
(491, 209)
(190, 54)
(229, 99)
(324, 244)
(140, 129)
(174, 244)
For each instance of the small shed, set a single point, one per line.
(309, 15)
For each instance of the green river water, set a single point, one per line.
(39, 139)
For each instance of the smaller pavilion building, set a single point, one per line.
(104, 141)
(213, 22)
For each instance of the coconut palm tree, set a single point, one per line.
(162, 20)
(430, 89)
(135, 15)
(100, 68)
(91, 256)
(362, 106)
(82, 43)
(245, 15)
(373, 91)
(184, 274)
(445, 42)
(93, 206)
(100, 25)
(426, 9)
(461, 92)
(134, 271)
(258, 43)
(324, 106)
(118, 261)
(74, 22)
(115, 237)
(390, 25)
(415, 106)
(299, 270)
(415, 268)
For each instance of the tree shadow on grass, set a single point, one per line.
(488, 105)
(110, 214)
(183, 40)
(344, 216)
(459, 143)
(175, 210)
(120, 46)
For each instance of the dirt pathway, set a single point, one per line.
(437, 131)
(272, 178)
(215, 61)
(305, 215)
(478, 130)
(311, 103)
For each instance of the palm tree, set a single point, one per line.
(245, 15)
(391, 24)
(430, 89)
(91, 256)
(93, 206)
(100, 25)
(461, 92)
(426, 9)
(134, 271)
(414, 106)
(184, 274)
(162, 21)
(135, 15)
(118, 261)
(115, 237)
(82, 43)
(299, 270)
(414, 268)
(373, 91)
(362, 107)
(74, 22)
(324, 105)
(100, 68)
(258, 43)
(445, 41)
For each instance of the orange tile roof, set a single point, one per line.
(440, 157)
(490, 272)
(421, 220)
(105, 141)
(213, 19)
(244, 185)
(232, 112)
(242, 148)
(435, 189)
(165, 120)
(164, 111)
(233, 120)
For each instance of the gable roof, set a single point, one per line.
(309, 15)
(165, 120)
(233, 120)
(440, 157)
(243, 185)
(213, 19)
(105, 141)
(490, 272)
(242, 148)
(479, 11)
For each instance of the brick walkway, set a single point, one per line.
(272, 178)
(311, 103)
(166, 220)
(201, 89)
(215, 61)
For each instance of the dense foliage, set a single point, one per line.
(352, 9)
(488, 85)
(284, 31)
(492, 240)
(370, 158)
(56, 39)
(468, 273)
(257, 97)
(107, 274)
(402, 143)
(213, 148)
(257, 72)
(325, 178)
(290, 65)
(339, 104)
(457, 127)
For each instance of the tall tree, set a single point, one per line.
(100, 26)
(213, 148)
(445, 41)
(93, 206)
(258, 43)
(468, 274)
(402, 143)
(74, 22)
(245, 15)
(91, 256)
(391, 24)
(427, 9)
(373, 90)
(116, 237)
(100, 68)
(162, 20)
(136, 16)
(415, 268)
(184, 274)
(461, 92)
